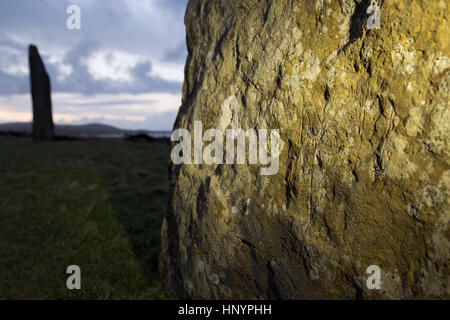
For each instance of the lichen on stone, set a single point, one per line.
(363, 179)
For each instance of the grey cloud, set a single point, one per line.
(178, 6)
(178, 54)
(114, 25)
(13, 84)
(151, 29)
(81, 81)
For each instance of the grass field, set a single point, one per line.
(97, 204)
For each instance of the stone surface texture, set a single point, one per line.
(364, 165)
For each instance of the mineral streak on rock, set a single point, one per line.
(43, 128)
(364, 173)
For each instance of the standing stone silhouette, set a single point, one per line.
(43, 128)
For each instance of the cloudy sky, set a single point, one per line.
(124, 67)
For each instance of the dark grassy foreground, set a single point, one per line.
(97, 204)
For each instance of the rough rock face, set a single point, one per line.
(364, 174)
(43, 128)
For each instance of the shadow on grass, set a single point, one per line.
(98, 204)
(138, 184)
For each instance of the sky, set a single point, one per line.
(124, 67)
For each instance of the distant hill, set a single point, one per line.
(92, 129)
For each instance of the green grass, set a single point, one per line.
(97, 204)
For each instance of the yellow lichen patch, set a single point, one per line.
(396, 160)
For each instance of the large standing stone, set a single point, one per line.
(43, 129)
(364, 170)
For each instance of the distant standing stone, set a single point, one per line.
(43, 128)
